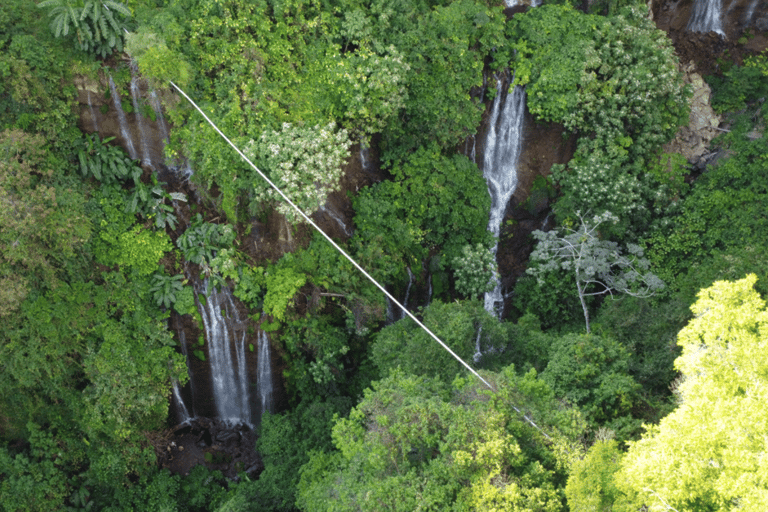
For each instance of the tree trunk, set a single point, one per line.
(583, 303)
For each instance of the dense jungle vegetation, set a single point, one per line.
(655, 403)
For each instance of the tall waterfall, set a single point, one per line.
(502, 149)
(264, 374)
(145, 159)
(706, 17)
(225, 333)
(124, 130)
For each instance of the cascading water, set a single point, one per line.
(225, 333)
(145, 159)
(264, 374)
(158, 108)
(338, 220)
(124, 131)
(181, 408)
(706, 17)
(502, 149)
(93, 113)
(183, 342)
(750, 12)
(399, 314)
(365, 156)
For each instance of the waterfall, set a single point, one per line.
(365, 157)
(264, 374)
(390, 313)
(124, 131)
(502, 149)
(183, 342)
(145, 159)
(750, 12)
(180, 407)
(338, 220)
(225, 333)
(158, 108)
(93, 114)
(429, 289)
(706, 17)
(469, 152)
(407, 290)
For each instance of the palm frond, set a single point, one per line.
(121, 8)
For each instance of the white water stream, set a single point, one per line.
(145, 159)
(225, 335)
(502, 149)
(264, 374)
(124, 131)
(706, 17)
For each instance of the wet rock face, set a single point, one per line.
(143, 129)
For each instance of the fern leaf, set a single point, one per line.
(86, 10)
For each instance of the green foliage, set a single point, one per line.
(97, 25)
(157, 63)
(150, 202)
(42, 218)
(739, 85)
(93, 363)
(336, 282)
(613, 81)
(282, 285)
(648, 330)
(407, 444)
(33, 480)
(591, 485)
(461, 325)
(363, 89)
(36, 78)
(592, 372)
(476, 270)
(285, 444)
(319, 366)
(202, 239)
(445, 47)
(444, 200)
(140, 249)
(165, 289)
(108, 164)
(724, 367)
(553, 302)
(717, 233)
(129, 375)
(202, 490)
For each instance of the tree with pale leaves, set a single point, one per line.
(304, 162)
(599, 266)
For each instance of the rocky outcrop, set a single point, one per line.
(693, 140)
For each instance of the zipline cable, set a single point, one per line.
(343, 253)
